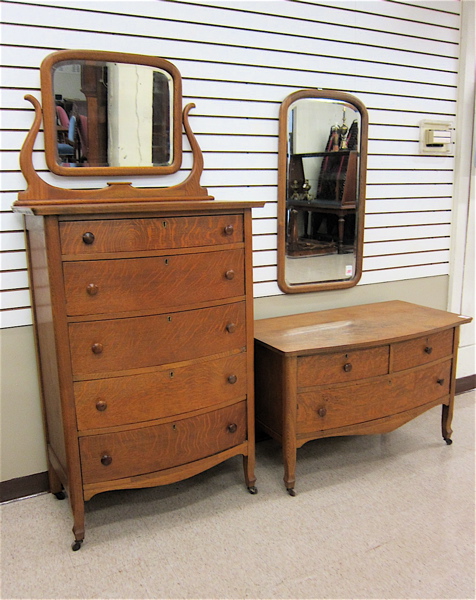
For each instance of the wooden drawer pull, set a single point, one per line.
(230, 274)
(428, 349)
(232, 427)
(106, 460)
(440, 381)
(101, 405)
(92, 289)
(232, 379)
(322, 412)
(231, 328)
(88, 238)
(229, 230)
(97, 348)
(347, 367)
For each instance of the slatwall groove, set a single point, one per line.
(238, 61)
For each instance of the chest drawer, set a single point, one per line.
(135, 235)
(148, 449)
(122, 344)
(422, 350)
(338, 406)
(154, 283)
(135, 398)
(339, 367)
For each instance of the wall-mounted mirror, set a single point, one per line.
(109, 113)
(321, 190)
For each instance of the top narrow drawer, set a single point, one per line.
(134, 235)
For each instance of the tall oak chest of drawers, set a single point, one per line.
(144, 328)
(353, 371)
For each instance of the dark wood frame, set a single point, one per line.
(49, 112)
(283, 190)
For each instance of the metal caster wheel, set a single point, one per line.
(60, 495)
(291, 491)
(253, 489)
(76, 545)
(449, 441)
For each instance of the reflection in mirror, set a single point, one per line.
(322, 163)
(107, 110)
(93, 100)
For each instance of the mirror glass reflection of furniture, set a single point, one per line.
(321, 190)
(142, 296)
(111, 110)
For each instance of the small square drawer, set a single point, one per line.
(420, 351)
(321, 369)
(109, 456)
(135, 235)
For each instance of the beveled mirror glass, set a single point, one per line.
(108, 113)
(321, 190)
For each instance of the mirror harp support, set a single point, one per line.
(39, 191)
(290, 205)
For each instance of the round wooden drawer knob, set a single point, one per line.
(322, 412)
(347, 367)
(229, 230)
(428, 349)
(231, 328)
(97, 348)
(101, 405)
(230, 274)
(92, 289)
(232, 427)
(106, 460)
(88, 238)
(232, 379)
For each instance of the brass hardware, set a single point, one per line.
(231, 327)
(97, 348)
(174, 427)
(88, 238)
(322, 412)
(230, 274)
(101, 405)
(169, 319)
(166, 261)
(232, 427)
(106, 460)
(229, 230)
(92, 289)
(347, 367)
(164, 224)
(232, 379)
(428, 349)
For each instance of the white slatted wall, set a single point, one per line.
(239, 60)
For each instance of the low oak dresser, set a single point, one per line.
(348, 371)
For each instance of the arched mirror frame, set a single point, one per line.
(283, 190)
(49, 112)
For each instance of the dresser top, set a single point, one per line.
(353, 326)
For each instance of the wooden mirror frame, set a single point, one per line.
(282, 191)
(49, 112)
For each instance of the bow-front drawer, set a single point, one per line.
(154, 283)
(422, 350)
(341, 405)
(148, 449)
(136, 235)
(322, 369)
(123, 344)
(135, 398)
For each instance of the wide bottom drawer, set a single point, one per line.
(148, 449)
(341, 405)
